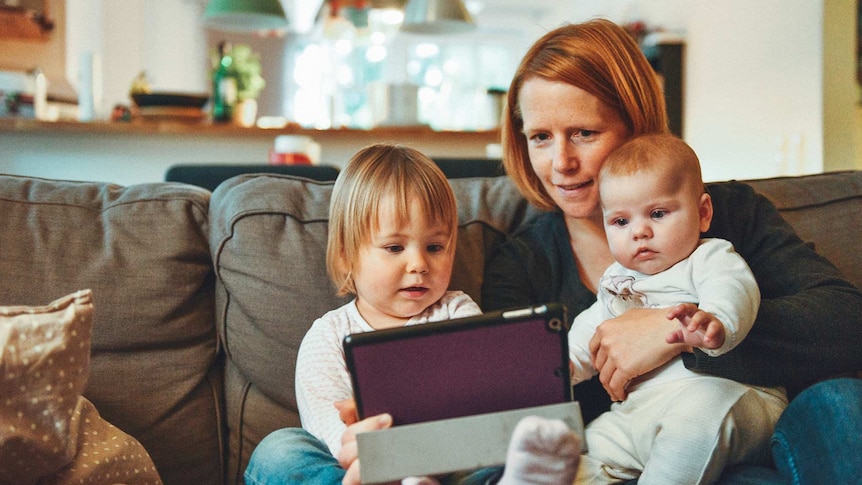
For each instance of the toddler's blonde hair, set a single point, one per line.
(376, 174)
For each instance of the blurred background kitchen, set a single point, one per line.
(768, 87)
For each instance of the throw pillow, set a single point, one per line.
(48, 431)
(105, 454)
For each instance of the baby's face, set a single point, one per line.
(650, 223)
(404, 268)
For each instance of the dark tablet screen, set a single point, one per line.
(488, 363)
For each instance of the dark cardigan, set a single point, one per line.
(807, 328)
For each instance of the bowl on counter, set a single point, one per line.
(170, 106)
(170, 99)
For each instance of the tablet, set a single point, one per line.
(498, 361)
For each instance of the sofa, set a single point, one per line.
(200, 299)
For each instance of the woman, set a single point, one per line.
(580, 92)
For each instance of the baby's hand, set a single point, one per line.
(697, 327)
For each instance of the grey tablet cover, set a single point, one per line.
(488, 363)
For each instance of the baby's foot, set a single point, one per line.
(541, 452)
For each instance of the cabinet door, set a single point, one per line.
(25, 19)
(666, 52)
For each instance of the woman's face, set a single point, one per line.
(569, 134)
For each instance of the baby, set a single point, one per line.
(675, 426)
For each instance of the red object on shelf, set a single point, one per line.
(276, 158)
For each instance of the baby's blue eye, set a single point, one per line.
(658, 214)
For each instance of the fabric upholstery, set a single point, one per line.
(48, 432)
(173, 272)
(143, 251)
(44, 363)
(105, 454)
(824, 209)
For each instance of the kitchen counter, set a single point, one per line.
(88, 151)
(144, 127)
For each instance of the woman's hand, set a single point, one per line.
(348, 456)
(631, 345)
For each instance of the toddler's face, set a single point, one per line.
(403, 269)
(651, 224)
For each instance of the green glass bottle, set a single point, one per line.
(224, 86)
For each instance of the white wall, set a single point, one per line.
(753, 87)
(760, 99)
(165, 38)
(753, 79)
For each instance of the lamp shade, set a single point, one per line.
(437, 17)
(245, 15)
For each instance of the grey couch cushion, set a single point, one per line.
(824, 210)
(143, 251)
(488, 210)
(268, 244)
(268, 239)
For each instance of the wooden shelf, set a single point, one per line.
(146, 128)
(17, 24)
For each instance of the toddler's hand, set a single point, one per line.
(348, 456)
(347, 411)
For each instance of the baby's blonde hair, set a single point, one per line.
(664, 154)
(376, 174)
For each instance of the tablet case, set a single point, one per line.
(451, 445)
(498, 361)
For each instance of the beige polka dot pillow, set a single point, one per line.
(48, 432)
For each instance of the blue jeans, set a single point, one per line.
(818, 438)
(293, 456)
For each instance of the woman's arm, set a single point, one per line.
(809, 326)
(507, 282)
(538, 266)
(533, 267)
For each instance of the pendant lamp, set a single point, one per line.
(437, 17)
(245, 15)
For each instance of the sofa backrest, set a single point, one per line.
(825, 210)
(268, 238)
(166, 261)
(143, 251)
(268, 245)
